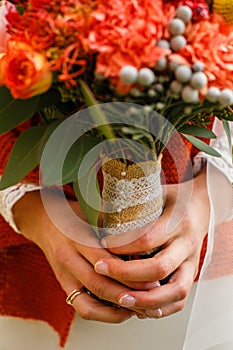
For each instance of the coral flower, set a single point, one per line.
(25, 72)
(5, 6)
(125, 32)
(211, 42)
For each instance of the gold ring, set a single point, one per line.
(73, 295)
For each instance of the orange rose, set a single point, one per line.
(211, 43)
(24, 71)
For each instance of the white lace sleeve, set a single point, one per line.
(9, 197)
(224, 163)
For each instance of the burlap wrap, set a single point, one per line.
(132, 195)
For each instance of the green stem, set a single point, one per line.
(43, 116)
(98, 115)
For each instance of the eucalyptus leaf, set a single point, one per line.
(62, 150)
(88, 195)
(15, 111)
(24, 156)
(202, 146)
(197, 131)
(50, 97)
(76, 155)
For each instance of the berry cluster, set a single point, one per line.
(174, 79)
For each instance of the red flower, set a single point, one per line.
(125, 32)
(5, 7)
(211, 43)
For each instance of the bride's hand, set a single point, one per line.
(179, 234)
(71, 260)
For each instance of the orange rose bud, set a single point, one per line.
(24, 71)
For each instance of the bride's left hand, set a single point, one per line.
(179, 234)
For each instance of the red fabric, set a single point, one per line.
(28, 287)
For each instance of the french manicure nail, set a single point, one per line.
(155, 313)
(104, 243)
(101, 268)
(127, 300)
(141, 316)
(151, 285)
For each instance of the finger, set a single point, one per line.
(140, 240)
(165, 310)
(156, 268)
(101, 286)
(176, 290)
(95, 254)
(89, 308)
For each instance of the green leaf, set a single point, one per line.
(15, 111)
(49, 98)
(202, 146)
(75, 156)
(23, 157)
(87, 192)
(62, 151)
(228, 133)
(197, 131)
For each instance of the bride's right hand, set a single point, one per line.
(71, 260)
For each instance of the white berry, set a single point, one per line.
(159, 88)
(128, 74)
(161, 64)
(145, 76)
(163, 43)
(183, 73)
(176, 26)
(198, 80)
(185, 13)
(190, 95)
(135, 92)
(151, 93)
(213, 94)
(226, 97)
(176, 86)
(198, 66)
(173, 65)
(178, 42)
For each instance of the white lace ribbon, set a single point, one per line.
(128, 193)
(10, 196)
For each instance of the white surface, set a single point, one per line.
(161, 334)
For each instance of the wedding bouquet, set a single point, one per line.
(125, 75)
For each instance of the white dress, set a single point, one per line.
(204, 323)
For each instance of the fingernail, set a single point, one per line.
(151, 285)
(104, 243)
(127, 300)
(155, 313)
(141, 316)
(101, 268)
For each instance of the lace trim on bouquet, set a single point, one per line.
(132, 196)
(128, 193)
(9, 197)
(132, 225)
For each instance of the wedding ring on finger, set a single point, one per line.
(70, 298)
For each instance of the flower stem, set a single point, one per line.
(98, 115)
